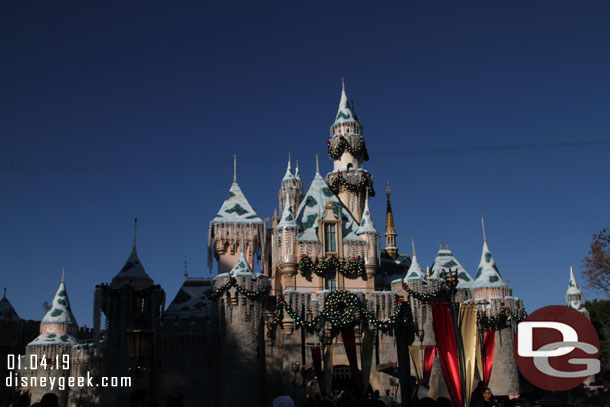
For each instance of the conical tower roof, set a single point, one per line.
(446, 261)
(241, 268)
(236, 208)
(415, 271)
(132, 273)
(366, 223)
(288, 221)
(288, 175)
(58, 325)
(488, 274)
(572, 286)
(7, 312)
(345, 112)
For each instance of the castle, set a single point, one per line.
(328, 308)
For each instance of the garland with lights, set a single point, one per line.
(351, 268)
(233, 283)
(497, 322)
(339, 181)
(343, 145)
(426, 298)
(341, 309)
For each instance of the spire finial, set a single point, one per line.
(62, 274)
(343, 84)
(483, 225)
(296, 169)
(317, 166)
(387, 190)
(289, 158)
(447, 245)
(186, 274)
(440, 245)
(4, 298)
(428, 271)
(135, 230)
(413, 245)
(235, 168)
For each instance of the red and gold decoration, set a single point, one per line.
(353, 267)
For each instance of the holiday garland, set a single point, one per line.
(336, 152)
(352, 267)
(339, 181)
(426, 298)
(497, 322)
(341, 309)
(233, 283)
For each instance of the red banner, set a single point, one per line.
(316, 356)
(488, 354)
(349, 341)
(429, 351)
(447, 349)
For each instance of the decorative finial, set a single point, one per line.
(343, 84)
(387, 190)
(235, 168)
(413, 245)
(62, 274)
(447, 245)
(4, 298)
(440, 245)
(483, 224)
(428, 271)
(289, 158)
(186, 274)
(317, 166)
(135, 230)
(296, 170)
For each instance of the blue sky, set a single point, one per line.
(112, 111)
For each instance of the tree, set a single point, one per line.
(597, 262)
(599, 312)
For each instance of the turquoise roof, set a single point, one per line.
(345, 112)
(288, 221)
(241, 268)
(60, 312)
(415, 272)
(366, 223)
(133, 270)
(488, 274)
(236, 209)
(191, 300)
(445, 261)
(312, 206)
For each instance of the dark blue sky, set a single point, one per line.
(112, 111)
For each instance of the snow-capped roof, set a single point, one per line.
(236, 208)
(446, 261)
(7, 312)
(191, 300)
(241, 268)
(54, 339)
(288, 175)
(572, 286)
(132, 273)
(345, 113)
(415, 271)
(60, 312)
(366, 223)
(288, 220)
(488, 274)
(312, 206)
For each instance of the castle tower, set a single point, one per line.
(292, 188)
(574, 296)
(58, 330)
(287, 230)
(368, 232)
(131, 295)
(7, 312)
(235, 223)
(493, 295)
(390, 228)
(444, 262)
(346, 147)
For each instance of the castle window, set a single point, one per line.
(330, 282)
(330, 231)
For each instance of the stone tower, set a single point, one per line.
(291, 189)
(346, 147)
(493, 295)
(368, 232)
(390, 228)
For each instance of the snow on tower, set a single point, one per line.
(347, 149)
(415, 271)
(132, 273)
(368, 232)
(58, 327)
(444, 262)
(574, 295)
(287, 229)
(235, 223)
(292, 188)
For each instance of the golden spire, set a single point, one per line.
(390, 228)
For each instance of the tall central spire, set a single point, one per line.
(390, 228)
